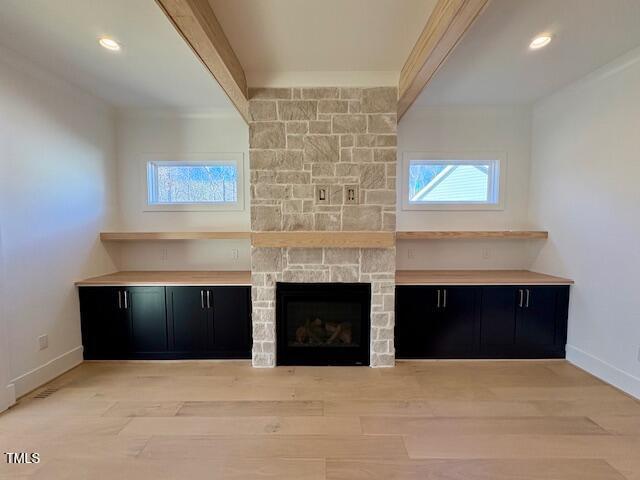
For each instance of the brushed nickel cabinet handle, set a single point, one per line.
(438, 306)
(444, 300)
(208, 299)
(119, 299)
(521, 297)
(528, 295)
(202, 299)
(126, 306)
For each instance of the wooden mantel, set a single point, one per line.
(323, 239)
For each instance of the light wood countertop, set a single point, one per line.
(403, 277)
(169, 278)
(477, 277)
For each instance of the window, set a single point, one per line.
(188, 185)
(437, 182)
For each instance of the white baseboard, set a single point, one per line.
(9, 398)
(604, 371)
(47, 372)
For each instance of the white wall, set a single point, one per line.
(7, 393)
(147, 134)
(56, 159)
(585, 191)
(455, 129)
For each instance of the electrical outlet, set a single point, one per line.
(43, 341)
(351, 194)
(322, 194)
(410, 253)
(486, 253)
(234, 253)
(639, 354)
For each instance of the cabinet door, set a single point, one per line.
(105, 326)
(416, 316)
(536, 320)
(454, 332)
(188, 319)
(498, 321)
(148, 319)
(230, 335)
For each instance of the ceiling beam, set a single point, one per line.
(445, 27)
(198, 25)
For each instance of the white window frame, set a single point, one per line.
(236, 159)
(497, 182)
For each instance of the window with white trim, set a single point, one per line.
(449, 183)
(194, 184)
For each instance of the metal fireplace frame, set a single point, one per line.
(323, 356)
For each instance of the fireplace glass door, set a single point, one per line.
(323, 324)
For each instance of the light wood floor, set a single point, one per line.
(420, 420)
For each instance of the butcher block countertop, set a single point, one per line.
(477, 277)
(403, 277)
(169, 278)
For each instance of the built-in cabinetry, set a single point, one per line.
(157, 322)
(490, 321)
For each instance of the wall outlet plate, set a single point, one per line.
(322, 196)
(43, 341)
(351, 194)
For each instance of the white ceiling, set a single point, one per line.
(155, 69)
(322, 41)
(493, 65)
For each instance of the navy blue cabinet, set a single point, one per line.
(481, 322)
(159, 322)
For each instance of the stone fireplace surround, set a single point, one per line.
(302, 139)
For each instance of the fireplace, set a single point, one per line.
(323, 323)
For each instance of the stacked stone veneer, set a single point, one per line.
(302, 138)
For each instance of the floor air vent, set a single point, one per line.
(47, 392)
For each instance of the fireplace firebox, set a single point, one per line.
(323, 323)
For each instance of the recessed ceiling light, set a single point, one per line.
(110, 44)
(539, 42)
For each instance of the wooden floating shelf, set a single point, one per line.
(471, 234)
(149, 236)
(131, 278)
(477, 277)
(323, 239)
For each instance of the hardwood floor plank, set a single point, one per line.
(522, 446)
(619, 424)
(446, 426)
(629, 467)
(311, 425)
(267, 446)
(142, 469)
(143, 409)
(598, 392)
(588, 407)
(498, 469)
(484, 408)
(377, 407)
(249, 408)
